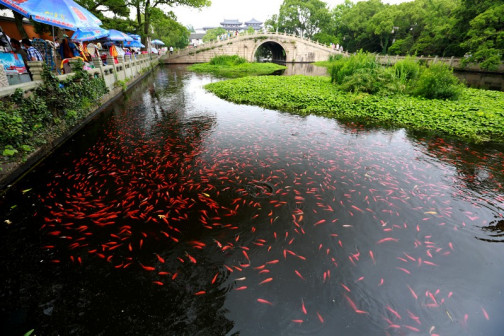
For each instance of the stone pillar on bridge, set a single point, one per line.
(36, 68)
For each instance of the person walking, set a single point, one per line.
(171, 49)
(33, 54)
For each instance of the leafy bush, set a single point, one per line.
(227, 60)
(362, 73)
(438, 82)
(334, 58)
(54, 106)
(347, 66)
(368, 80)
(407, 69)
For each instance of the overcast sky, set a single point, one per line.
(242, 10)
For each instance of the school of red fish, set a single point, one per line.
(168, 198)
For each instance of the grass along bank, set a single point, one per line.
(235, 66)
(477, 115)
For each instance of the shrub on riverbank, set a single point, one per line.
(362, 73)
(235, 66)
(477, 116)
(53, 107)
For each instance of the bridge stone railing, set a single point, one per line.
(454, 62)
(127, 68)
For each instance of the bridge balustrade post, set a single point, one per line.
(36, 68)
(4, 82)
(98, 64)
(110, 61)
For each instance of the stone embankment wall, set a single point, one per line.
(118, 77)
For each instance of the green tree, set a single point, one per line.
(485, 37)
(213, 33)
(143, 10)
(436, 27)
(167, 29)
(303, 17)
(382, 26)
(271, 24)
(332, 32)
(145, 7)
(120, 8)
(356, 32)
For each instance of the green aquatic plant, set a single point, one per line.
(227, 60)
(235, 66)
(478, 115)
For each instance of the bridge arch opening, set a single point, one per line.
(270, 51)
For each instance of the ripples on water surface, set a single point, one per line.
(178, 213)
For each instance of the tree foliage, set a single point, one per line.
(167, 29)
(212, 34)
(300, 17)
(486, 37)
(149, 17)
(471, 28)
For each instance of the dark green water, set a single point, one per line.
(177, 213)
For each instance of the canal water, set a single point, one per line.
(177, 213)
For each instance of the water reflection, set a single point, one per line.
(306, 69)
(180, 213)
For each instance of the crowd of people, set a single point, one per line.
(65, 49)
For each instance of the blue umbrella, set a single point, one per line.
(158, 42)
(134, 44)
(116, 35)
(59, 13)
(135, 37)
(89, 34)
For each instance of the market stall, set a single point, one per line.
(12, 63)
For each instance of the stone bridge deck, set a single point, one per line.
(285, 47)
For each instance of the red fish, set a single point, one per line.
(266, 281)
(264, 301)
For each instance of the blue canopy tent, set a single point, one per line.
(65, 14)
(134, 44)
(118, 36)
(135, 37)
(89, 34)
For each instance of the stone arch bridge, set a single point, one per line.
(283, 48)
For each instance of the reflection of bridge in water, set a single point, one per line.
(278, 46)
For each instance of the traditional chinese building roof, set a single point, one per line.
(253, 22)
(231, 22)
